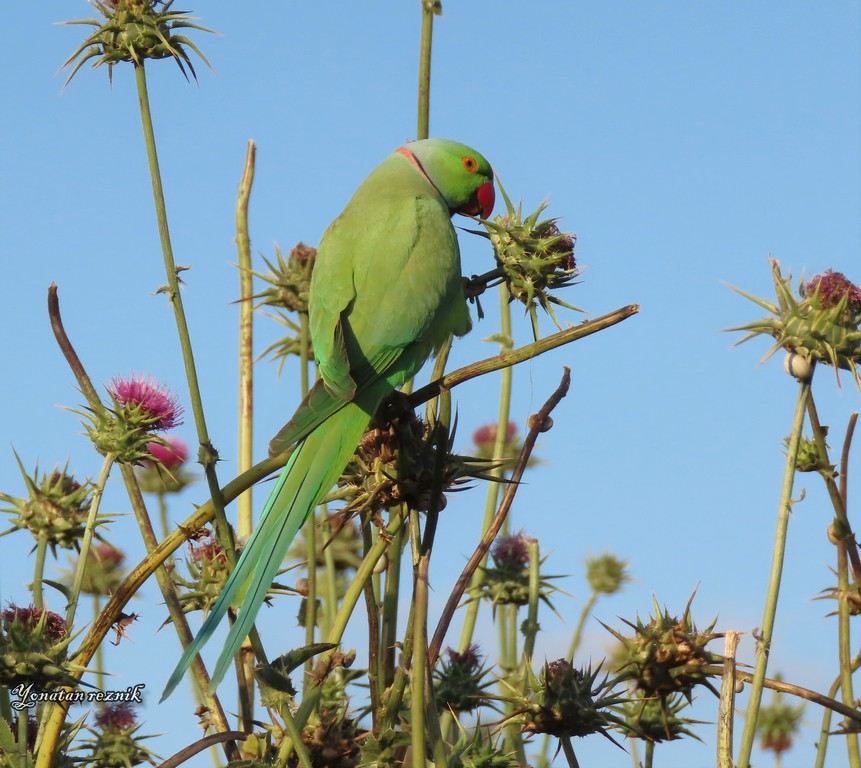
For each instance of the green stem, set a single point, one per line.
(100, 656)
(425, 46)
(164, 520)
(650, 754)
(568, 751)
(292, 743)
(39, 569)
(23, 717)
(531, 626)
(389, 631)
(171, 599)
(581, 623)
(770, 610)
(87, 539)
(825, 729)
(207, 455)
(845, 651)
(418, 663)
(244, 507)
(492, 498)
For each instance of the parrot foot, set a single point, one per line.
(395, 407)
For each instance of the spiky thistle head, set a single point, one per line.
(165, 471)
(56, 507)
(564, 701)
(459, 681)
(133, 31)
(140, 406)
(821, 324)
(778, 722)
(33, 648)
(117, 743)
(534, 256)
(666, 654)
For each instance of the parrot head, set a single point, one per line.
(460, 174)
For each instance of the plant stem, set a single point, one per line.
(207, 455)
(537, 424)
(418, 663)
(581, 623)
(492, 498)
(87, 540)
(39, 568)
(425, 46)
(844, 648)
(568, 751)
(650, 754)
(726, 712)
(246, 341)
(100, 660)
(770, 610)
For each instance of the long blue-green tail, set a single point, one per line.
(309, 474)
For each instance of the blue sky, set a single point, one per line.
(682, 142)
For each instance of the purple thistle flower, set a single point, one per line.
(512, 550)
(171, 454)
(118, 717)
(55, 625)
(152, 399)
(832, 287)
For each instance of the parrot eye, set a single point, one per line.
(469, 163)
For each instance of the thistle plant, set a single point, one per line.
(116, 742)
(140, 407)
(460, 683)
(533, 258)
(821, 324)
(778, 724)
(34, 646)
(666, 655)
(55, 510)
(135, 30)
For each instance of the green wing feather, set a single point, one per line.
(386, 292)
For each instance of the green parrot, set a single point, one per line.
(386, 292)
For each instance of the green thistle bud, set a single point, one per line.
(507, 581)
(821, 324)
(116, 743)
(777, 724)
(104, 571)
(289, 291)
(55, 509)
(135, 30)
(808, 459)
(565, 701)
(534, 257)
(480, 750)
(665, 656)
(207, 568)
(164, 471)
(656, 719)
(459, 683)
(33, 648)
(607, 574)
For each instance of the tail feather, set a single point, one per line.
(309, 474)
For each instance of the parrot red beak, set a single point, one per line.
(486, 198)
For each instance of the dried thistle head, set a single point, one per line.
(133, 31)
(207, 567)
(822, 324)
(397, 463)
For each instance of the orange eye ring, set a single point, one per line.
(469, 163)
